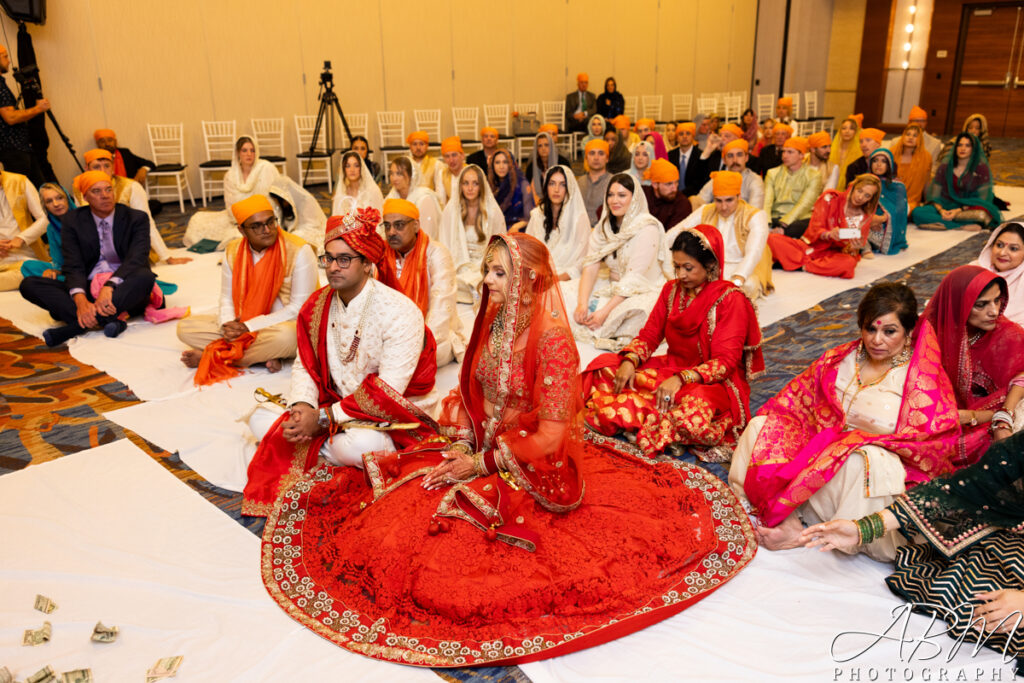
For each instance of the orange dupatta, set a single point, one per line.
(414, 272)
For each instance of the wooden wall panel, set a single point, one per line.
(874, 48)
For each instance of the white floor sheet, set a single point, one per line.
(111, 536)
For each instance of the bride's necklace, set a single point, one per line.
(497, 329)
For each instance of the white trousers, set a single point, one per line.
(344, 448)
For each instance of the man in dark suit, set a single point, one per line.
(580, 105)
(693, 172)
(127, 164)
(103, 237)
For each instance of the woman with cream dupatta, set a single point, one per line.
(471, 217)
(248, 175)
(405, 184)
(561, 222)
(356, 188)
(608, 311)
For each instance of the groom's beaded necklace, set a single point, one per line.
(353, 348)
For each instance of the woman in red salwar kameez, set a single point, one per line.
(524, 540)
(697, 394)
(823, 249)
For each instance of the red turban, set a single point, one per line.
(359, 230)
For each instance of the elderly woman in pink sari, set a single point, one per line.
(864, 422)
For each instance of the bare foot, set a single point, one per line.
(867, 254)
(274, 365)
(178, 260)
(191, 358)
(783, 536)
(970, 227)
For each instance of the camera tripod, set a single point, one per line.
(328, 101)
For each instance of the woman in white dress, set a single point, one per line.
(298, 211)
(561, 222)
(248, 175)
(610, 309)
(405, 184)
(356, 188)
(471, 217)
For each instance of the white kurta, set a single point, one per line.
(9, 228)
(304, 281)
(737, 261)
(442, 315)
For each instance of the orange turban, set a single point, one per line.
(452, 144)
(94, 154)
(736, 144)
(596, 143)
(856, 118)
(733, 129)
(786, 101)
(417, 135)
(103, 133)
(246, 208)
(797, 143)
(726, 183)
(86, 180)
(663, 171)
(621, 121)
(648, 122)
(487, 129)
(359, 230)
(548, 128)
(689, 125)
(873, 133)
(917, 113)
(582, 76)
(786, 128)
(819, 139)
(400, 206)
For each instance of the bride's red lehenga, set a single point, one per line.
(566, 544)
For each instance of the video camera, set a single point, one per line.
(326, 77)
(28, 79)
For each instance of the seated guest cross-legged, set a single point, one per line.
(511, 190)
(889, 224)
(870, 140)
(836, 233)
(819, 146)
(686, 157)
(735, 157)
(790, 190)
(426, 274)
(454, 159)
(1003, 254)
(247, 175)
(356, 188)
(580, 105)
(489, 145)
(962, 558)
(983, 354)
(266, 276)
(56, 203)
(976, 125)
(771, 155)
(664, 200)
(744, 231)
(846, 147)
(130, 193)
(960, 194)
(126, 163)
(849, 433)
(609, 312)
(364, 353)
(404, 178)
(23, 223)
(698, 393)
(101, 238)
(469, 220)
(561, 222)
(913, 164)
(424, 163)
(594, 183)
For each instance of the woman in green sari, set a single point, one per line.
(960, 194)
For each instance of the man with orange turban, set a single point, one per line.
(771, 155)
(784, 110)
(791, 189)
(664, 200)
(580, 105)
(819, 146)
(126, 164)
(744, 229)
(426, 274)
(931, 143)
(735, 156)
(622, 124)
(364, 354)
(594, 183)
(454, 161)
(686, 157)
(130, 193)
(266, 276)
(102, 238)
(419, 143)
(489, 143)
(711, 155)
(22, 223)
(870, 140)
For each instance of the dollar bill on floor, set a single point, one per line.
(104, 634)
(38, 636)
(5, 675)
(77, 676)
(45, 604)
(164, 668)
(44, 675)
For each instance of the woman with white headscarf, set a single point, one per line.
(643, 155)
(561, 222)
(248, 175)
(405, 184)
(544, 156)
(356, 188)
(471, 217)
(609, 312)
(298, 211)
